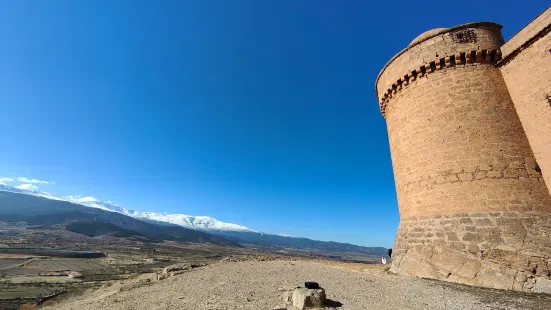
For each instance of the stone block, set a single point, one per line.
(452, 178)
(495, 276)
(480, 175)
(469, 269)
(470, 237)
(485, 167)
(465, 176)
(304, 298)
(288, 297)
(494, 174)
(499, 165)
(452, 236)
(473, 249)
(516, 165)
(457, 170)
(483, 222)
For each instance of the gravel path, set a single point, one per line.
(258, 285)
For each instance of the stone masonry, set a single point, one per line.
(527, 71)
(469, 126)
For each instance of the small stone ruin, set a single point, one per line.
(309, 297)
(176, 269)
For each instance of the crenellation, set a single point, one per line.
(468, 58)
(446, 62)
(478, 57)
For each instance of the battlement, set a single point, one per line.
(469, 58)
(439, 42)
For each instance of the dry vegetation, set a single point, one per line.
(261, 284)
(28, 279)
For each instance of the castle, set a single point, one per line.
(469, 126)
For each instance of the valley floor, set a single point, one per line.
(261, 285)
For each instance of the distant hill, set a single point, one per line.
(305, 244)
(36, 210)
(98, 228)
(203, 223)
(56, 210)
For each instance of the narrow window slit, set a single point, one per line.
(473, 57)
(463, 58)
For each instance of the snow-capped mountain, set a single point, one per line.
(213, 230)
(189, 221)
(204, 223)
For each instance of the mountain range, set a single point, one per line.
(42, 208)
(54, 214)
(205, 223)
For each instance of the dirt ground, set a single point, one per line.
(261, 285)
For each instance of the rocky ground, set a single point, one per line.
(261, 285)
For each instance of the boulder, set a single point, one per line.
(288, 297)
(177, 267)
(543, 286)
(75, 275)
(161, 276)
(304, 298)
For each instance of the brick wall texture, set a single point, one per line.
(470, 139)
(528, 78)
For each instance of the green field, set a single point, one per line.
(9, 262)
(26, 292)
(65, 264)
(39, 279)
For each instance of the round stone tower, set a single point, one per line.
(473, 205)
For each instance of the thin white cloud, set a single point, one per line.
(80, 199)
(49, 196)
(4, 180)
(27, 186)
(87, 201)
(33, 181)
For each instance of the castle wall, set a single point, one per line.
(473, 206)
(527, 33)
(458, 146)
(526, 69)
(503, 250)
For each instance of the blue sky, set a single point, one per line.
(260, 113)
